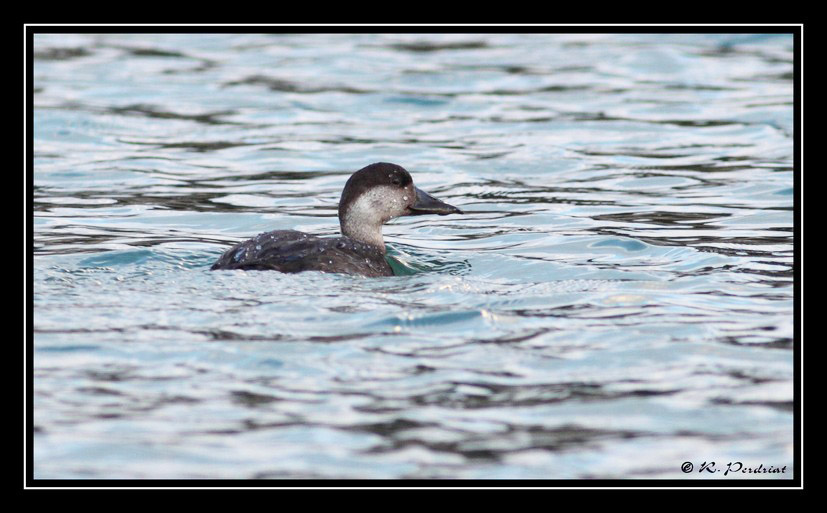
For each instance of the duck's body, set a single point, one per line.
(290, 251)
(372, 196)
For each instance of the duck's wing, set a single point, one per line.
(289, 251)
(264, 251)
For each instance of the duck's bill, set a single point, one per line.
(427, 204)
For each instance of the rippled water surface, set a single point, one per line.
(617, 299)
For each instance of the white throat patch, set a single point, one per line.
(363, 219)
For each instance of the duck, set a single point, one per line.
(371, 197)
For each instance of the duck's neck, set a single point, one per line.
(362, 218)
(364, 233)
(363, 226)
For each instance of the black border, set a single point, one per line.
(44, 26)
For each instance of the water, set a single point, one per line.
(617, 300)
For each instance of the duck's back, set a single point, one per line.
(290, 251)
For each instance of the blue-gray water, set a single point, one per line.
(617, 300)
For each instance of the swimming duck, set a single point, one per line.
(372, 196)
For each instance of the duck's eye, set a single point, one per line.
(396, 180)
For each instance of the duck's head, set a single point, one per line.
(378, 193)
